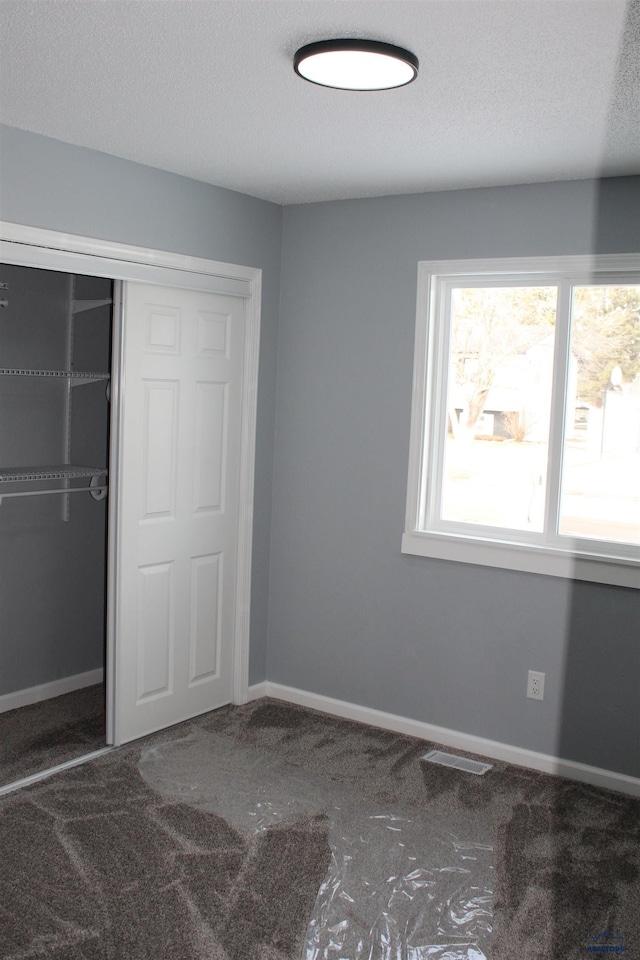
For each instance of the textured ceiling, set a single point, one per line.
(509, 91)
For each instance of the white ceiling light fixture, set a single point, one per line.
(356, 64)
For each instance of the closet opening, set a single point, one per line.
(55, 377)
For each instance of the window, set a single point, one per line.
(525, 430)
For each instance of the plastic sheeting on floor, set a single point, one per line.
(399, 886)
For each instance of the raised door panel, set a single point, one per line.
(160, 441)
(156, 631)
(206, 617)
(209, 450)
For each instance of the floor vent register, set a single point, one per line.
(460, 763)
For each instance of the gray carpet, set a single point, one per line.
(97, 864)
(44, 734)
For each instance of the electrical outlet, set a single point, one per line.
(535, 685)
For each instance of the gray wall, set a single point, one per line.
(350, 616)
(56, 186)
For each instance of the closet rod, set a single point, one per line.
(41, 493)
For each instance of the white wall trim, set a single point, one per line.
(427, 533)
(246, 483)
(258, 690)
(450, 738)
(586, 265)
(529, 557)
(45, 691)
(119, 261)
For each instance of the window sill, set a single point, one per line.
(530, 558)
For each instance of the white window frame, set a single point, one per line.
(425, 533)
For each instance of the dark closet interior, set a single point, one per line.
(55, 362)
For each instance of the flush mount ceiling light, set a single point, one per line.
(356, 64)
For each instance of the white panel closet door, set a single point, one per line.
(178, 524)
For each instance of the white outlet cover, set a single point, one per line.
(535, 685)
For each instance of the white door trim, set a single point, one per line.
(118, 261)
(68, 253)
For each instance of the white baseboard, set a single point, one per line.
(22, 698)
(257, 691)
(450, 738)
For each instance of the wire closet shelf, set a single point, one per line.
(97, 477)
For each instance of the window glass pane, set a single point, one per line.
(601, 464)
(498, 405)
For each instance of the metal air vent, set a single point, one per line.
(460, 763)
